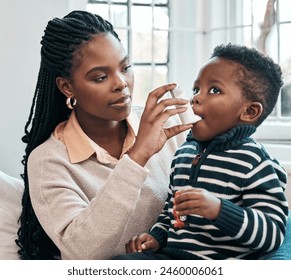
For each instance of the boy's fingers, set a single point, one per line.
(148, 245)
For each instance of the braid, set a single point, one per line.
(60, 43)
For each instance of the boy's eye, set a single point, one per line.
(195, 91)
(215, 90)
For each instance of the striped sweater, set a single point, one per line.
(250, 184)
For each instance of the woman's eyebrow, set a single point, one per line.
(124, 59)
(103, 68)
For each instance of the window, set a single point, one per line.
(169, 40)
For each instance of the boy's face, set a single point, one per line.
(217, 99)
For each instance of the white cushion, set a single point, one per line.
(11, 190)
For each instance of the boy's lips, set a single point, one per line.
(198, 115)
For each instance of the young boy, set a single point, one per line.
(226, 196)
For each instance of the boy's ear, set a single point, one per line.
(252, 112)
(64, 86)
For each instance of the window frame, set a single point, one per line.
(187, 54)
(276, 128)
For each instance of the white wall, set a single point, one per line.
(21, 27)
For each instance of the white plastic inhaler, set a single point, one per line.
(188, 116)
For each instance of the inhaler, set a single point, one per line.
(188, 116)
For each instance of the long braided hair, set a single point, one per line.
(63, 38)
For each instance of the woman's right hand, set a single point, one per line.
(142, 242)
(152, 135)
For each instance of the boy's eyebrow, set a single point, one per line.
(196, 82)
(216, 81)
(219, 82)
(106, 67)
(211, 81)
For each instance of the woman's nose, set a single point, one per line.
(120, 82)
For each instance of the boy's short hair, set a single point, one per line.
(258, 75)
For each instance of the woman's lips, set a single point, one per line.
(121, 102)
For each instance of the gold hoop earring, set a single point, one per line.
(71, 102)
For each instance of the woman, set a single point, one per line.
(92, 177)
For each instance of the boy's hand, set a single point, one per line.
(197, 201)
(142, 242)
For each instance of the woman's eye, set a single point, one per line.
(100, 79)
(126, 68)
(195, 91)
(215, 90)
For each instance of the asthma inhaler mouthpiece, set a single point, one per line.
(188, 116)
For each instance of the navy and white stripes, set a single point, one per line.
(250, 184)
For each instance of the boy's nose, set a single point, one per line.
(194, 99)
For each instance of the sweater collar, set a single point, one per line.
(233, 138)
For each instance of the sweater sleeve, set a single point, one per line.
(160, 230)
(260, 222)
(83, 229)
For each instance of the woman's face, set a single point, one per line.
(102, 80)
(217, 99)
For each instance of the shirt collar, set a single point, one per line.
(80, 147)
